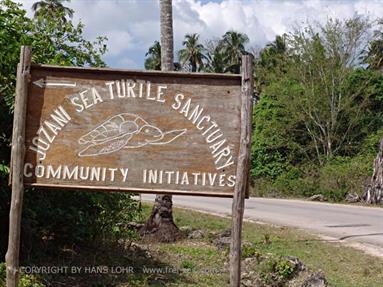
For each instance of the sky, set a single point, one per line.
(132, 26)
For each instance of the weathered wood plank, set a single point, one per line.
(17, 163)
(242, 171)
(175, 74)
(133, 190)
(196, 118)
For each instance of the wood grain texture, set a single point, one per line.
(242, 171)
(17, 163)
(183, 152)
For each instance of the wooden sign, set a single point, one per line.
(121, 130)
(156, 132)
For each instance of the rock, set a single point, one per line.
(296, 264)
(186, 229)
(317, 197)
(197, 234)
(316, 279)
(226, 233)
(352, 198)
(223, 239)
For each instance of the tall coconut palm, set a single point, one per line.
(233, 47)
(52, 8)
(160, 226)
(153, 60)
(274, 53)
(166, 26)
(193, 53)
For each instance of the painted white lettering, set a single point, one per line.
(112, 173)
(96, 97)
(130, 87)
(152, 177)
(26, 167)
(60, 116)
(211, 177)
(51, 173)
(195, 114)
(185, 108)
(185, 179)
(79, 108)
(148, 88)
(110, 86)
(39, 170)
(231, 181)
(221, 180)
(95, 173)
(70, 174)
(160, 94)
(178, 103)
(124, 172)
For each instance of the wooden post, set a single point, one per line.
(17, 163)
(242, 174)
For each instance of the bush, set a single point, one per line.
(25, 280)
(344, 175)
(334, 180)
(69, 217)
(274, 270)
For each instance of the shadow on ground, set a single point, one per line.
(112, 264)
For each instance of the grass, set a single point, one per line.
(343, 266)
(198, 262)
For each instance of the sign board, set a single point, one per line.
(121, 130)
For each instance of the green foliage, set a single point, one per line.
(249, 250)
(62, 217)
(25, 280)
(66, 217)
(319, 114)
(3, 274)
(153, 60)
(374, 56)
(187, 264)
(232, 46)
(52, 8)
(274, 270)
(193, 54)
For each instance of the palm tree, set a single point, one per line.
(52, 8)
(274, 53)
(153, 60)
(233, 47)
(166, 26)
(160, 226)
(192, 53)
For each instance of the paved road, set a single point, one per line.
(361, 227)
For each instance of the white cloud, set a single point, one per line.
(133, 25)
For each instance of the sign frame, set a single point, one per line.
(218, 80)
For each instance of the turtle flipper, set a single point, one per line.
(169, 136)
(106, 147)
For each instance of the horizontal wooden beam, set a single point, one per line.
(132, 190)
(138, 72)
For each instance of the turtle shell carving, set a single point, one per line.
(124, 131)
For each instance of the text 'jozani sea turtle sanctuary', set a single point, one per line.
(130, 131)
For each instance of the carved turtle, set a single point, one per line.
(124, 130)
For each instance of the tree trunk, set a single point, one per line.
(374, 192)
(160, 225)
(166, 23)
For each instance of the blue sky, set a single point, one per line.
(133, 25)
